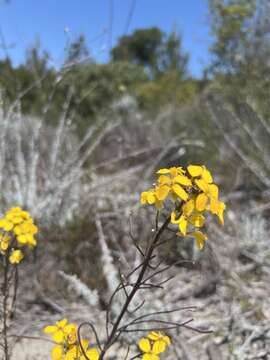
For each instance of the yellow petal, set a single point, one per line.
(2, 223)
(221, 209)
(159, 347)
(33, 229)
(180, 192)
(4, 246)
(173, 171)
(183, 225)
(57, 352)
(69, 328)
(201, 201)
(197, 220)
(167, 340)
(151, 197)
(200, 238)
(144, 345)
(58, 336)
(195, 170)
(182, 180)
(8, 226)
(188, 207)
(17, 220)
(158, 204)
(206, 176)
(213, 191)
(163, 179)
(62, 323)
(22, 239)
(180, 170)
(162, 192)
(214, 206)
(73, 353)
(85, 344)
(202, 185)
(154, 335)
(92, 354)
(163, 171)
(150, 357)
(173, 221)
(144, 197)
(17, 230)
(50, 329)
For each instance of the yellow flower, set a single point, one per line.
(183, 221)
(21, 224)
(174, 181)
(200, 171)
(75, 352)
(161, 340)
(70, 332)
(16, 257)
(6, 225)
(150, 197)
(65, 334)
(57, 331)
(192, 192)
(150, 351)
(4, 242)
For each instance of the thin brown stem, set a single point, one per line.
(5, 305)
(136, 287)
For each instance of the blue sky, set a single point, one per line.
(55, 22)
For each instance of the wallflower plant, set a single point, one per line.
(184, 196)
(189, 194)
(17, 233)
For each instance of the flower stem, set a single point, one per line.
(5, 299)
(136, 287)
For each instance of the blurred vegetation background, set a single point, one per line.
(78, 144)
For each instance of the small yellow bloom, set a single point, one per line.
(75, 352)
(192, 192)
(151, 352)
(4, 242)
(19, 222)
(160, 339)
(16, 257)
(57, 331)
(162, 191)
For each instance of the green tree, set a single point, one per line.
(77, 50)
(231, 23)
(241, 49)
(152, 49)
(140, 48)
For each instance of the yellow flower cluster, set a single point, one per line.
(16, 229)
(192, 192)
(64, 334)
(153, 345)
